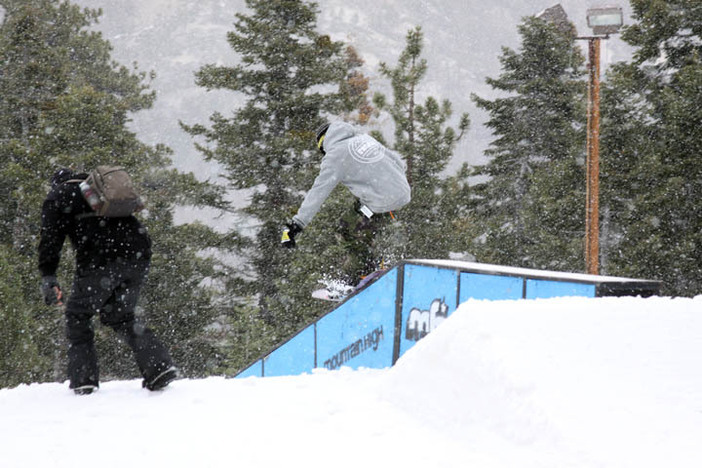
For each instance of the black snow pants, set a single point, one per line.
(111, 291)
(357, 234)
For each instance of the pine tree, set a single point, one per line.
(405, 78)
(355, 88)
(66, 104)
(652, 133)
(20, 359)
(291, 76)
(426, 142)
(531, 204)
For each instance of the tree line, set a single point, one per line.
(221, 300)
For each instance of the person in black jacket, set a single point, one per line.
(112, 261)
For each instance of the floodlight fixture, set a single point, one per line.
(605, 20)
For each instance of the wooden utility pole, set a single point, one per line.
(592, 215)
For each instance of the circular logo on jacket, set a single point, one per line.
(365, 149)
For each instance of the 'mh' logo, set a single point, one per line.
(422, 322)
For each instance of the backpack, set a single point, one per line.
(110, 192)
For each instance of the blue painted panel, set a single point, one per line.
(429, 298)
(294, 357)
(541, 289)
(494, 287)
(254, 370)
(359, 333)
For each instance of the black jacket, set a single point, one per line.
(96, 240)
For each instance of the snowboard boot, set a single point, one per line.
(161, 380)
(85, 389)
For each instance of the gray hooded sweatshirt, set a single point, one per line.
(373, 173)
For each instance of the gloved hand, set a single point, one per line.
(291, 230)
(51, 289)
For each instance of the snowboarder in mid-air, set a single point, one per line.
(372, 173)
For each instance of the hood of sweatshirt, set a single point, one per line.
(337, 133)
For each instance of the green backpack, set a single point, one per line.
(110, 192)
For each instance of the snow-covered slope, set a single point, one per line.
(568, 382)
(463, 40)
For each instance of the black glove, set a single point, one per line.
(51, 289)
(291, 230)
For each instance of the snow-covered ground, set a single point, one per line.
(568, 382)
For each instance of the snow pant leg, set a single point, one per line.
(82, 357)
(151, 356)
(87, 297)
(365, 236)
(358, 258)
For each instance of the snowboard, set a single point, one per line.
(337, 291)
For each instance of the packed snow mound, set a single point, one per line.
(607, 382)
(593, 382)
